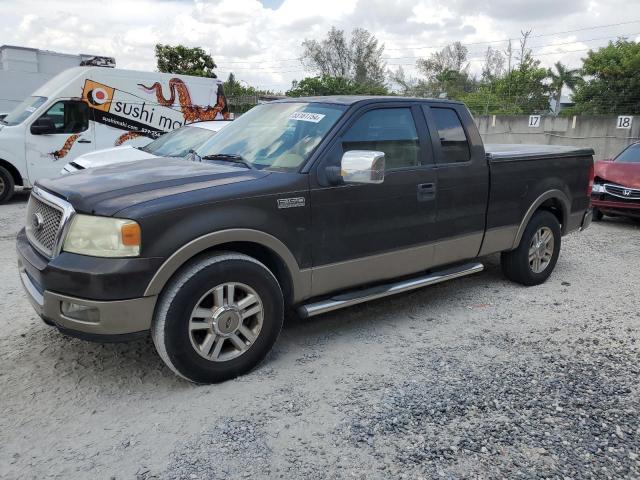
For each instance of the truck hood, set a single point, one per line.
(625, 174)
(106, 190)
(110, 156)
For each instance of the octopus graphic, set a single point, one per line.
(58, 154)
(191, 113)
(126, 137)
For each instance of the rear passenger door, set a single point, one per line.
(463, 182)
(365, 233)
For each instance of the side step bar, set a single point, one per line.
(360, 296)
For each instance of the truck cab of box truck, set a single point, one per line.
(89, 108)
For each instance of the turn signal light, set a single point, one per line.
(131, 235)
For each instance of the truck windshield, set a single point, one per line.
(630, 154)
(24, 110)
(278, 136)
(178, 143)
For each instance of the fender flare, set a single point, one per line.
(301, 279)
(548, 195)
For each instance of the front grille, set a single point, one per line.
(44, 221)
(622, 192)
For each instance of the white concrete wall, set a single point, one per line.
(597, 132)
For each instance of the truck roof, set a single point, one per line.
(353, 99)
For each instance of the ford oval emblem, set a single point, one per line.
(37, 221)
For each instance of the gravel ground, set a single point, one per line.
(475, 378)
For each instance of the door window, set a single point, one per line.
(388, 130)
(453, 140)
(68, 116)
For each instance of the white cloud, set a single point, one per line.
(261, 44)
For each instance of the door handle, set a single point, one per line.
(84, 141)
(426, 191)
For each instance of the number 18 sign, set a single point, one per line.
(624, 121)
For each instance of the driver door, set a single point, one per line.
(58, 136)
(369, 232)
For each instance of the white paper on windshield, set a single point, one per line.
(30, 109)
(306, 117)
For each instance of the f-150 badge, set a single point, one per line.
(291, 202)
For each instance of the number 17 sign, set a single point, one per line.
(534, 121)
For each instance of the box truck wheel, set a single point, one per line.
(6, 185)
(218, 317)
(536, 256)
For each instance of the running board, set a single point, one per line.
(360, 296)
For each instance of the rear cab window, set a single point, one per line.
(454, 144)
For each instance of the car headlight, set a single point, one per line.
(103, 237)
(598, 188)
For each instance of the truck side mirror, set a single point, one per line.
(362, 166)
(43, 126)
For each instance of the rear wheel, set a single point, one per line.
(6, 185)
(597, 214)
(536, 256)
(218, 318)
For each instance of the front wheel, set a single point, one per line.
(218, 317)
(6, 185)
(536, 256)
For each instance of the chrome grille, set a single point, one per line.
(622, 192)
(46, 219)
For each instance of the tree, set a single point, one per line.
(358, 59)
(493, 66)
(613, 80)
(328, 85)
(184, 61)
(409, 86)
(561, 77)
(447, 72)
(451, 58)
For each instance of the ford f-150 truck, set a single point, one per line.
(306, 205)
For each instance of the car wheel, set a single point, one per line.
(597, 214)
(6, 185)
(536, 256)
(218, 317)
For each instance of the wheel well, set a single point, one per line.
(554, 206)
(266, 256)
(17, 178)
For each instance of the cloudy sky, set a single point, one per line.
(260, 40)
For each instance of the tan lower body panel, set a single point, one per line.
(338, 276)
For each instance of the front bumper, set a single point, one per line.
(106, 319)
(625, 208)
(114, 320)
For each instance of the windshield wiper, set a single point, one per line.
(229, 157)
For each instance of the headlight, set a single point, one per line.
(598, 188)
(103, 237)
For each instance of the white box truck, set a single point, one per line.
(90, 108)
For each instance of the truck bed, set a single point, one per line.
(504, 152)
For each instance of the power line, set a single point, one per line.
(270, 69)
(418, 47)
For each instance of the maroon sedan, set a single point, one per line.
(616, 187)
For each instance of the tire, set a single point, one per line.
(184, 341)
(516, 264)
(597, 214)
(7, 185)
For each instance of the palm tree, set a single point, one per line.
(561, 77)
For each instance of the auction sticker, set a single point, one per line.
(306, 117)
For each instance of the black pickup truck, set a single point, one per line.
(305, 205)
